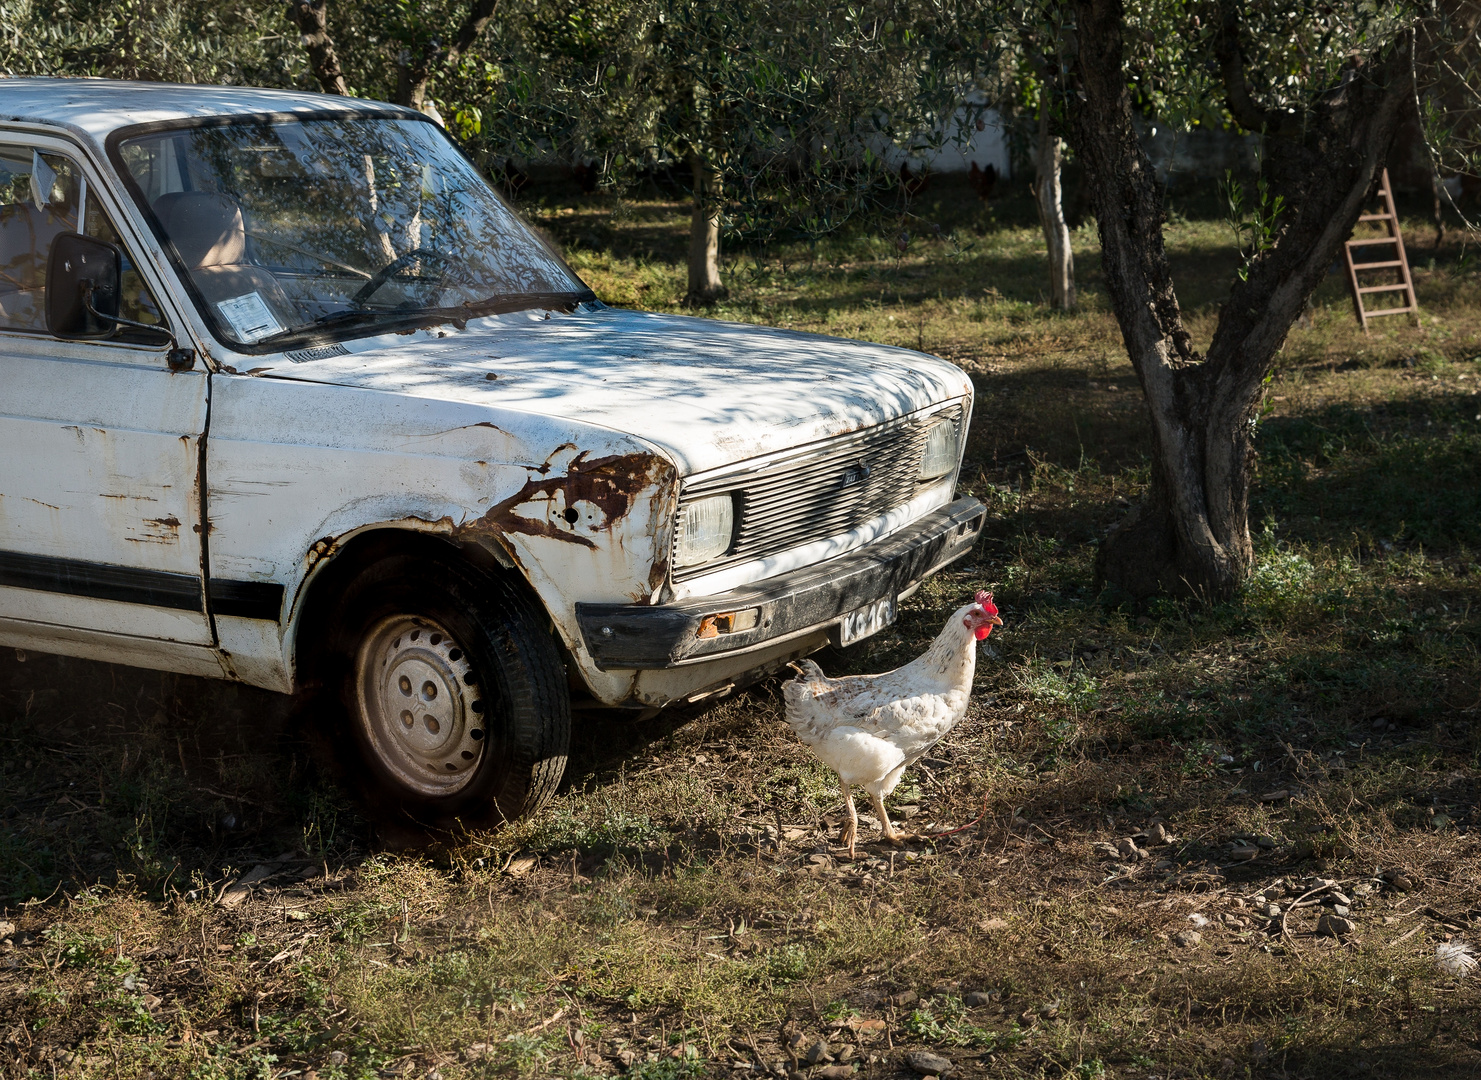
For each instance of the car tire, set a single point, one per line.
(454, 695)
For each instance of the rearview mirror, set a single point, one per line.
(82, 287)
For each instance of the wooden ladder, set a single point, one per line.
(1401, 263)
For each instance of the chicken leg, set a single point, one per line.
(851, 829)
(887, 832)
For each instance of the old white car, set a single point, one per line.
(289, 396)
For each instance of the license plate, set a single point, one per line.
(867, 620)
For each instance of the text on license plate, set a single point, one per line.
(867, 620)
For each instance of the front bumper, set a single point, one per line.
(635, 636)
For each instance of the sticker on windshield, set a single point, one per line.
(249, 317)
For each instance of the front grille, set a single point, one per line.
(817, 491)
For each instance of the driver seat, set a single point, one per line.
(210, 236)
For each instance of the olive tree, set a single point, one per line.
(1325, 85)
(775, 116)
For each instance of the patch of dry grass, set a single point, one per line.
(683, 908)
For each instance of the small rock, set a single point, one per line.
(904, 997)
(1265, 842)
(1126, 848)
(1335, 897)
(1334, 926)
(816, 1054)
(1275, 796)
(1402, 882)
(1243, 852)
(1105, 850)
(1342, 910)
(978, 998)
(1050, 1011)
(240, 889)
(338, 1057)
(834, 1072)
(1159, 834)
(627, 1057)
(846, 1053)
(297, 915)
(1187, 939)
(6, 928)
(928, 1064)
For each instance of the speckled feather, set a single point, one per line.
(869, 728)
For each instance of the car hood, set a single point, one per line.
(707, 393)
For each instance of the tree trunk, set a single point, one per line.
(704, 238)
(1190, 534)
(1049, 193)
(313, 24)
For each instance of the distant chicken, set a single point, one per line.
(870, 728)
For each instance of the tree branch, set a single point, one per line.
(1246, 112)
(478, 18)
(313, 24)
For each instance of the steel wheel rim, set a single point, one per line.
(421, 704)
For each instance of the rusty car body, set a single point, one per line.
(183, 497)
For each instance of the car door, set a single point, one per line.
(100, 446)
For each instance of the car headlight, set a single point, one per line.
(706, 527)
(941, 450)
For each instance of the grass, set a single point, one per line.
(683, 906)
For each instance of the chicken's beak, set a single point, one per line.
(995, 620)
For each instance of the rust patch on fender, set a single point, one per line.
(611, 483)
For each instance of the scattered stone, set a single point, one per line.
(1265, 842)
(1126, 848)
(1342, 910)
(1402, 882)
(1243, 852)
(979, 998)
(1050, 1011)
(1159, 834)
(296, 915)
(816, 1054)
(903, 998)
(338, 1058)
(1187, 939)
(834, 1072)
(846, 1053)
(1105, 850)
(627, 1057)
(7, 928)
(521, 866)
(928, 1064)
(993, 925)
(1335, 897)
(240, 889)
(1334, 926)
(1275, 796)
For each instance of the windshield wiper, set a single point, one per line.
(503, 303)
(472, 309)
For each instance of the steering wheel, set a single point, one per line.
(384, 274)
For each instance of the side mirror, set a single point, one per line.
(82, 287)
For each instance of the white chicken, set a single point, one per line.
(870, 728)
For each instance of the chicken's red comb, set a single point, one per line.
(985, 599)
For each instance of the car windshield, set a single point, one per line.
(302, 229)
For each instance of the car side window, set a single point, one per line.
(42, 196)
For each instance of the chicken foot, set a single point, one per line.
(887, 833)
(851, 828)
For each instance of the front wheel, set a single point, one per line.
(455, 693)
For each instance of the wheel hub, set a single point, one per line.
(421, 704)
